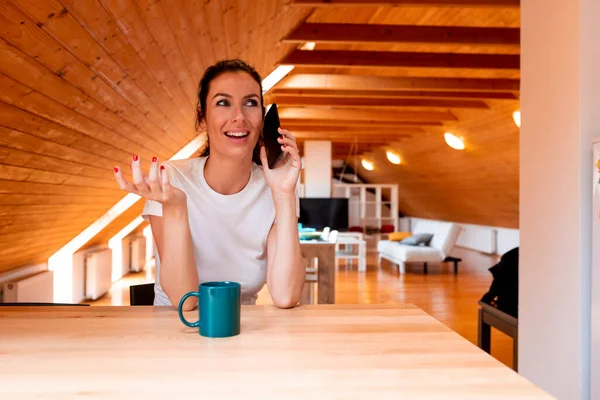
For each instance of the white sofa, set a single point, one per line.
(444, 238)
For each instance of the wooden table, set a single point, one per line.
(325, 253)
(317, 352)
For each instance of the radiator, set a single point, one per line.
(125, 259)
(37, 288)
(138, 253)
(98, 273)
(482, 239)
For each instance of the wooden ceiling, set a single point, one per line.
(84, 85)
(397, 75)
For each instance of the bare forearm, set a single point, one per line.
(178, 273)
(286, 277)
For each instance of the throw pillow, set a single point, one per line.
(420, 239)
(398, 236)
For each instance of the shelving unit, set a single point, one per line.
(370, 205)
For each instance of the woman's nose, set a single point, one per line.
(238, 114)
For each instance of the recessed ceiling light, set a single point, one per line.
(393, 157)
(454, 141)
(517, 118)
(367, 165)
(308, 46)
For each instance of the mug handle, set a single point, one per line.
(181, 317)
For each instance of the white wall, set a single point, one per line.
(560, 109)
(590, 124)
(595, 279)
(78, 273)
(20, 273)
(317, 168)
(486, 239)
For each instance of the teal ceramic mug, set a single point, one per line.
(219, 309)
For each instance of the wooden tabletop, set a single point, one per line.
(310, 352)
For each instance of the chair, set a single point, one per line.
(308, 291)
(345, 248)
(325, 233)
(310, 280)
(332, 237)
(312, 269)
(141, 295)
(490, 316)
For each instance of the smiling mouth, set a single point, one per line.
(237, 135)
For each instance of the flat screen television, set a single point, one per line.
(319, 213)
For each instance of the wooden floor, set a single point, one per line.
(448, 298)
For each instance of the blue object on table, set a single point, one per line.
(301, 228)
(219, 309)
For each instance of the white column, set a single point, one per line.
(560, 110)
(317, 168)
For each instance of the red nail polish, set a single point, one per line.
(284, 146)
(154, 159)
(116, 169)
(135, 157)
(162, 167)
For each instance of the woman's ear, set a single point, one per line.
(200, 120)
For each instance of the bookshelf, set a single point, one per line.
(370, 205)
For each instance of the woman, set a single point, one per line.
(222, 216)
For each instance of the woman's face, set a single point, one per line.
(234, 115)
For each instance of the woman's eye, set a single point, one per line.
(222, 102)
(252, 103)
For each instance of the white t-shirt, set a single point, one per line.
(229, 232)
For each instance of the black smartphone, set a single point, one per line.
(271, 134)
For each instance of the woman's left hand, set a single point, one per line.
(284, 175)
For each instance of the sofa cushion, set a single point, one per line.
(398, 236)
(408, 253)
(420, 239)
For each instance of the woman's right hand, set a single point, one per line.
(154, 186)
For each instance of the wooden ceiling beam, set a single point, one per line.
(351, 139)
(400, 3)
(350, 58)
(344, 155)
(341, 147)
(365, 137)
(344, 147)
(363, 123)
(390, 83)
(361, 114)
(283, 101)
(429, 94)
(373, 33)
(351, 128)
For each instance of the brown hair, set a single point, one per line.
(211, 73)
